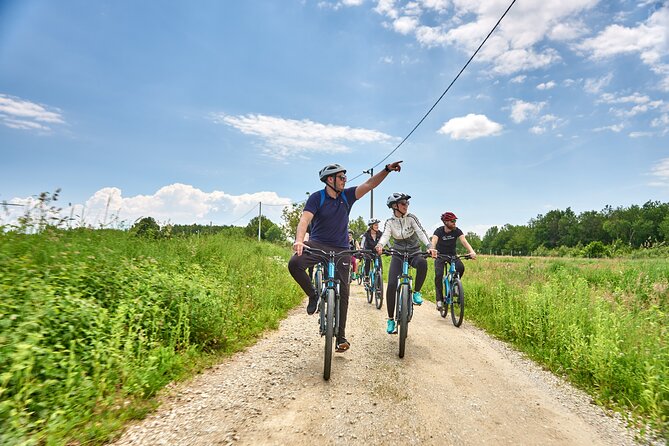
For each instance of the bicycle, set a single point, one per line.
(317, 278)
(454, 293)
(360, 271)
(404, 301)
(328, 304)
(374, 280)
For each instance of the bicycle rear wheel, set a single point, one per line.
(329, 332)
(403, 302)
(457, 302)
(378, 289)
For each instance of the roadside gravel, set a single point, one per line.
(454, 386)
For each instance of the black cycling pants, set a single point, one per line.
(439, 275)
(395, 270)
(297, 265)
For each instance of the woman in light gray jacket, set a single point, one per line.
(406, 232)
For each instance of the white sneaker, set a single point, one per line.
(440, 305)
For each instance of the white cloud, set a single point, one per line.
(288, 137)
(649, 39)
(546, 85)
(662, 121)
(405, 24)
(176, 203)
(640, 134)
(436, 5)
(517, 45)
(21, 114)
(617, 128)
(639, 103)
(470, 127)
(567, 31)
(595, 86)
(521, 110)
(519, 79)
(661, 171)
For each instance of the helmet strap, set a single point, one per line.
(396, 208)
(334, 182)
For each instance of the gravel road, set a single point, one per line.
(455, 386)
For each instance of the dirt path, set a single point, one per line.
(454, 386)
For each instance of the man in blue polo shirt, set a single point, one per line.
(328, 213)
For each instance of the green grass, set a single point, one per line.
(603, 324)
(94, 323)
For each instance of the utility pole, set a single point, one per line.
(259, 218)
(371, 194)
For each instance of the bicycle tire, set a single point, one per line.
(378, 290)
(444, 306)
(329, 333)
(369, 288)
(318, 281)
(457, 302)
(403, 301)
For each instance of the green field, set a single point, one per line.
(94, 322)
(602, 324)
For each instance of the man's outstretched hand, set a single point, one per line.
(394, 167)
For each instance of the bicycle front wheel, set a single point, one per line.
(369, 288)
(444, 306)
(329, 332)
(378, 289)
(457, 302)
(403, 302)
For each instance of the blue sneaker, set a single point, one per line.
(417, 298)
(390, 329)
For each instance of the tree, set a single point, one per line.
(474, 240)
(358, 226)
(266, 229)
(146, 227)
(291, 217)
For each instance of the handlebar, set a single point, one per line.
(333, 253)
(450, 258)
(395, 252)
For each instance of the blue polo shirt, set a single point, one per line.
(330, 222)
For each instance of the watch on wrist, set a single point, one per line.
(386, 168)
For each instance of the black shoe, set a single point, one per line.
(313, 303)
(342, 345)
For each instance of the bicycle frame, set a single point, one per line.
(453, 285)
(404, 301)
(328, 303)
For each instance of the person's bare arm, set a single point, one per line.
(374, 181)
(466, 244)
(302, 226)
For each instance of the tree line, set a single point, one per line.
(590, 233)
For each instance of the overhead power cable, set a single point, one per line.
(247, 213)
(445, 91)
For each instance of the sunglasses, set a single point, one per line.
(406, 203)
(342, 177)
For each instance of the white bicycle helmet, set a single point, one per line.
(395, 197)
(330, 169)
(373, 221)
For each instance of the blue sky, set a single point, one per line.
(194, 112)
